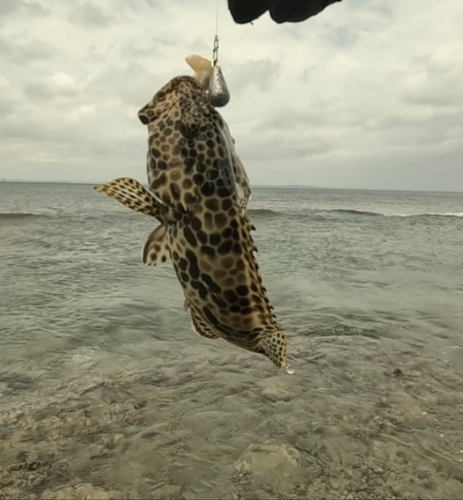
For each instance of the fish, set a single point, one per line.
(204, 231)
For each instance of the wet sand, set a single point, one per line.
(360, 418)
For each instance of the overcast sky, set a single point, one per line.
(368, 94)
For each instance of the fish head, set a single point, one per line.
(169, 97)
(202, 68)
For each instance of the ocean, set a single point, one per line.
(105, 391)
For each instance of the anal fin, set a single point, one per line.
(156, 251)
(201, 327)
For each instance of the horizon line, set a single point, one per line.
(266, 186)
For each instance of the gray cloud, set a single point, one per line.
(22, 7)
(368, 94)
(23, 52)
(90, 14)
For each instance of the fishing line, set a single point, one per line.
(218, 90)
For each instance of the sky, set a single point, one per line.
(368, 94)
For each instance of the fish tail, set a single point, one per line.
(273, 346)
(133, 195)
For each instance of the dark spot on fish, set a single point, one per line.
(222, 304)
(208, 250)
(189, 164)
(212, 175)
(162, 165)
(175, 190)
(175, 255)
(183, 264)
(242, 290)
(160, 181)
(196, 224)
(246, 310)
(231, 296)
(208, 189)
(212, 205)
(215, 239)
(211, 283)
(202, 236)
(168, 131)
(245, 302)
(197, 285)
(235, 309)
(190, 237)
(226, 204)
(208, 313)
(185, 277)
(237, 248)
(190, 199)
(198, 179)
(201, 168)
(187, 184)
(194, 269)
(156, 153)
(226, 233)
(184, 130)
(225, 247)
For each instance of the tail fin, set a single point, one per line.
(132, 194)
(273, 345)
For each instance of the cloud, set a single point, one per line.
(21, 7)
(90, 14)
(367, 94)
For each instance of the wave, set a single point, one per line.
(265, 212)
(381, 214)
(352, 211)
(19, 215)
(429, 214)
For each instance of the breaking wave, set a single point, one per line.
(350, 211)
(426, 214)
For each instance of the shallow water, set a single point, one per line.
(105, 392)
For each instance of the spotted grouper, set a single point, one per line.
(194, 173)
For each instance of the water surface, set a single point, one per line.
(106, 392)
